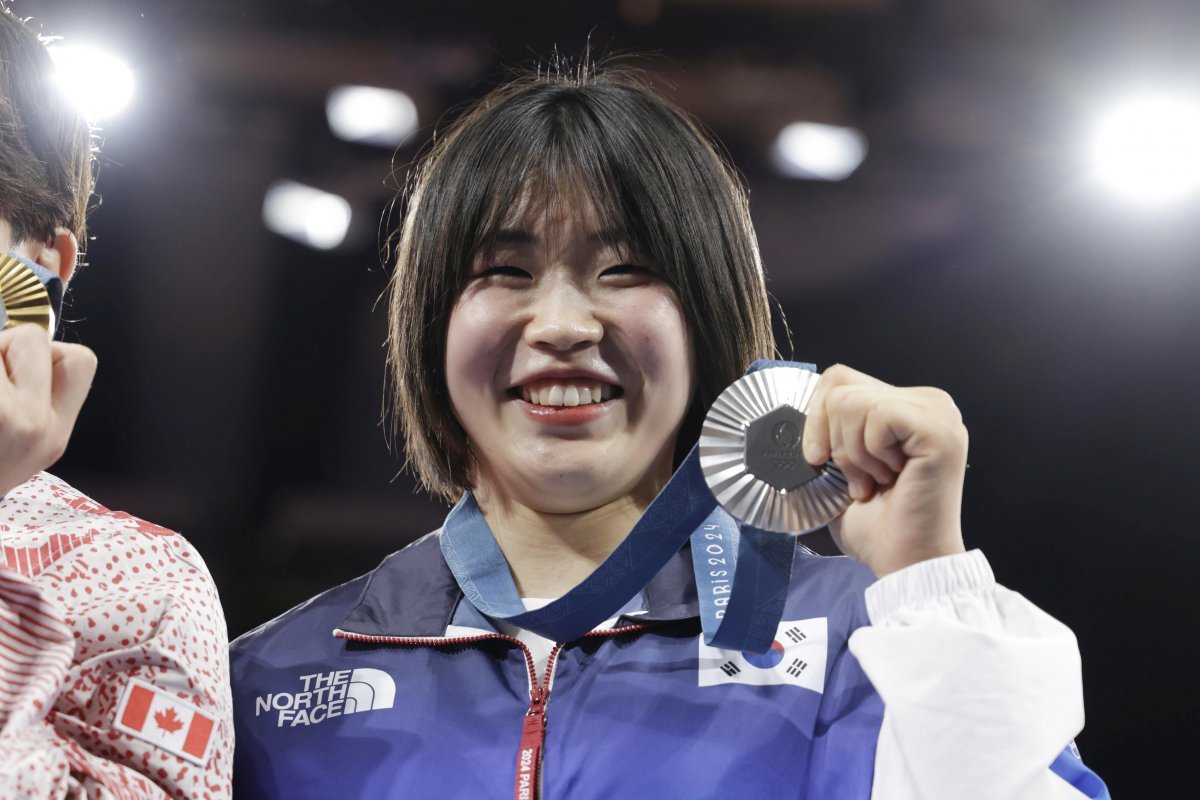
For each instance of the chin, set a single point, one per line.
(565, 490)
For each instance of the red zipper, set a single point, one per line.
(533, 730)
(533, 739)
(419, 640)
(533, 727)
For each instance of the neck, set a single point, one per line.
(551, 553)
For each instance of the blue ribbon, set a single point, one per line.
(725, 555)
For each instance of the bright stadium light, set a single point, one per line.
(310, 216)
(818, 152)
(98, 82)
(1146, 148)
(371, 115)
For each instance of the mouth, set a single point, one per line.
(566, 392)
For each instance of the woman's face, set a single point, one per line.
(569, 366)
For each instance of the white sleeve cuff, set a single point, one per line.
(927, 582)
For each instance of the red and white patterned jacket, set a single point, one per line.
(103, 619)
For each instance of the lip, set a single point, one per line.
(565, 415)
(565, 375)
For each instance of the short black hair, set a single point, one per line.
(656, 181)
(46, 147)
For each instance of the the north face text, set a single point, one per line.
(324, 695)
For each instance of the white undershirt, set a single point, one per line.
(539, 646)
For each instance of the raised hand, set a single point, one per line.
(42, 388)
(904, 452)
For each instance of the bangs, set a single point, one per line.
(564, 152)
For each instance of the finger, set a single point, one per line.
(7, 337)
(816, 430)
(74, 367)
(923, 423)
(861, 482)
(879, 437)
(845, 438)
(854, 421)
(27, 358)
(841, 375)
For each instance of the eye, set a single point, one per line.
(627, 274)
(502, 271)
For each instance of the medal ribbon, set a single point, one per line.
(725, 555)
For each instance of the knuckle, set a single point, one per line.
(953, 438)
(25, 437)
(77, 352)
(86, 361)
(938, 396)
(880, 403)
(58, 446)
(838, 397)
(961, 437)
(837, 372)
(28, 427)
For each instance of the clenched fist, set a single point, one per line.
(42, 388)
(904, 452)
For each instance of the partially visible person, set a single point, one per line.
(113, 669)
(576, 281)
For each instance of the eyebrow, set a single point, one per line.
(514, 236)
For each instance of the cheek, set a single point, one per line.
(667, 334)
(662, 342)
(472, 342)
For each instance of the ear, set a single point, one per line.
(60, 254)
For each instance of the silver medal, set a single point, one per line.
(751, 455)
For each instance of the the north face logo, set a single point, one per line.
(324, 695)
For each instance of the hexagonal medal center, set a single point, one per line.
(773, 449)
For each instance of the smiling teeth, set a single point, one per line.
(567, 394)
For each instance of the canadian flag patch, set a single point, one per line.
(158, 717)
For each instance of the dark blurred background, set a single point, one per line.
(241, 374)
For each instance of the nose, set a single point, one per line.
(562, 317)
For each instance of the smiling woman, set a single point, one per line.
(602, 153)
(576, 280)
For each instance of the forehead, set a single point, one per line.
(557, 217)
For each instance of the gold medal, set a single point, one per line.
(752, 457)
(23, 295)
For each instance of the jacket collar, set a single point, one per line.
(414, 594)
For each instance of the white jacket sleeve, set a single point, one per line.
(982, 690)
(36, 761)
(114, 672)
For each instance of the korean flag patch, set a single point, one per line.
(796, 658)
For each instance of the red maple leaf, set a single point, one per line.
(167, 720)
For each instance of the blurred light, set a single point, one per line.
(96, 80)
(371, 115)
(818, 152)
(640, 12)
(1147, 148)
(306, 215)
